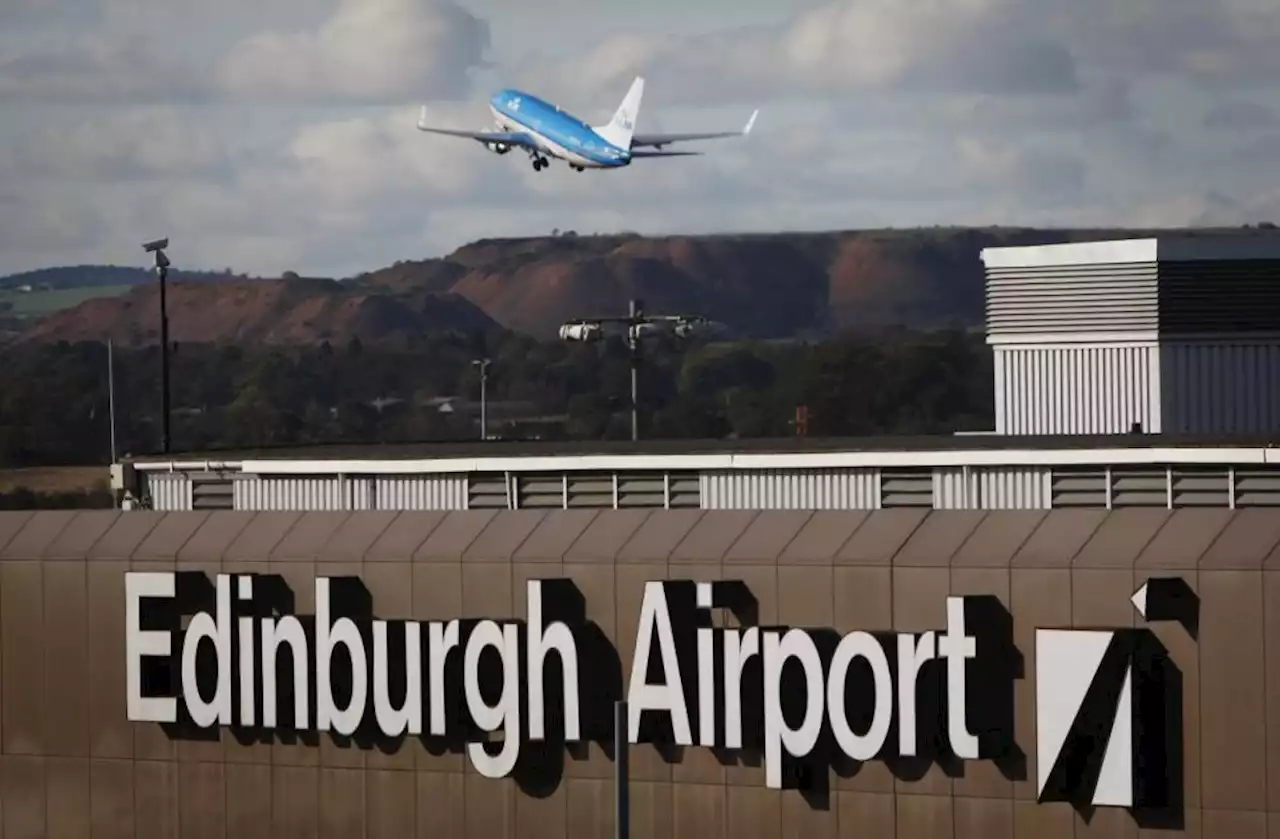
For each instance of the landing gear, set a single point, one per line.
(540, 163)
(579, 168)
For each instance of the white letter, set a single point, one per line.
(202, 626)
(556, 637)
(504, 715)
(328, 637)
(408, 717)
(288, 631)
(798, 742)
(245, 594)
(866, 746)
(642, 696)
(706, 673)
(912, 655)
(139, 643)
(443, 637)
(957, 647)
(739, 647)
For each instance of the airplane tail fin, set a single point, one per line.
(623, 125)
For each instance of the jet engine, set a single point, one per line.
(496, 148)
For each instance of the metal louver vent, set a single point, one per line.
(537, 491)
(212, 491)
(584, 490)
(642, 489)
(487, 491)
(1140, 486)
(1192, 486)
(1257, 486)
(684, 490)
(590, 490)
(906, 488)
(1079, 487)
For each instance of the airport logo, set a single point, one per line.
(1108, 708)
(231, 652)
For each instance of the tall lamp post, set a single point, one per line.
(482, 364)
(638, 326)
(162, 270)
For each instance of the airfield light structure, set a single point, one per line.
(162, 271)
(639, 326)
(482, 364)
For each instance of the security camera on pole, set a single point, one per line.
(639, 326)
(162, 270)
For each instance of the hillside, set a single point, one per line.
(768, 286)
(289, 311)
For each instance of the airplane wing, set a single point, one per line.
(660, 140)
(510, 138)
(638, 154)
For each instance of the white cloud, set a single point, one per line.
(975, 46)
(138, 51)
(123, 145)
(369, 50)
(1002, 47)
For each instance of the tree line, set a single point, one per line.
(55, 409)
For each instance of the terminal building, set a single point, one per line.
(1175, 339)
(1061, 629)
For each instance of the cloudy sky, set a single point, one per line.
(271, 135)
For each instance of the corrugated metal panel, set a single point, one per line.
(1072, 298)
(955, 489)
(1015, 488)
(169, 491)
(420, 492)
(292, 493)
(1085, 389)
(1218, 388)
(808, 489)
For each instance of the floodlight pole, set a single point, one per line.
(162, 270)
(111, 395)
(483, 364)
(634, 321)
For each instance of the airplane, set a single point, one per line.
(544, 130)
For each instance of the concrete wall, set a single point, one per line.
(72, 765)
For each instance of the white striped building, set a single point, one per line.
(1179, 334)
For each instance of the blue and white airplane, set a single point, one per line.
(543, 130)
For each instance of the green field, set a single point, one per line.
(34, 304)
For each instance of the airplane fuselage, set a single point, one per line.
(556, 132)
